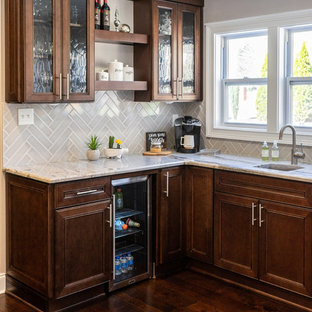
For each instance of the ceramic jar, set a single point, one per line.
(128, 73)
(115, 70)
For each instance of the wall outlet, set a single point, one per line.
(174, 117)
(25, 116)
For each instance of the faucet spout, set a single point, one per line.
(294, 153)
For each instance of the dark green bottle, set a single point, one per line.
(118, 199)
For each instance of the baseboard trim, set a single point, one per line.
(2, 283)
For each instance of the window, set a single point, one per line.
(299, 76)
(244, 78)
(259, 76)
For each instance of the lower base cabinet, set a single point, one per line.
(58, 241)
(82, 238)
(285, 245)
(235, 234)
(171, 222)
(199, 213)
(260, 238)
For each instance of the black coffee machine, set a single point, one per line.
(187, 134)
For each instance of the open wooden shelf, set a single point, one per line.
(120, 37)
(121, 85)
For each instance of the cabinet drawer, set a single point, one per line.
(79, 192)
(279, 190)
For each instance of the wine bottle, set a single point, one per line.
(97, 14)
(132, 223)
(105, 16)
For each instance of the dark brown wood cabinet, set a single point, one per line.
(263, 236)
(49, 51)
(82, 247)
(171, 215)
(199, 213)
(172, 63)
(285, 246)
(235, 235)
(59, 241)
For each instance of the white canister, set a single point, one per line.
(128, 73)
(115, 70)
(102, 76)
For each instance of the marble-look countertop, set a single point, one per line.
(84, 169)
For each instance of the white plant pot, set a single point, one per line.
(113, 152)
(93, 154)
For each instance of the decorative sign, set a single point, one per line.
(156, 137)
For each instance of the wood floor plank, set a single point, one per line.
(182, 292)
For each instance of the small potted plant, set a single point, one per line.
(112, 151)
(93, 153)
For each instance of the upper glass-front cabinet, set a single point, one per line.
(178, 56)
(50, 49)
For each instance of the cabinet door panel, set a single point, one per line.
(189, 55)
(171, 215)
(78, 50)
(235, 238)
(41, 63)
(285, 246)
(165, 59)
(199, 212)
(82, 247)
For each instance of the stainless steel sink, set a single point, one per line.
(281, 167)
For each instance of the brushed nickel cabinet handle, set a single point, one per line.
(260, 215)
(177, 91)
(110, 216)
(167, 185)
(181, 88)
(61, 86)
(67, 85)
(86, 192)
(253, 219)
(174, 88)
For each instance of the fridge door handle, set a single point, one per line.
(114, 243)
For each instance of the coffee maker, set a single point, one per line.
(187, 134)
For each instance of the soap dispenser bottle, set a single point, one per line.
(275, 151)
(265, 151)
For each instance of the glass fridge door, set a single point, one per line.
(131, 245)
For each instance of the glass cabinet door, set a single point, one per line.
(189, 53)
(43, 46)
(40, 74)
(78, 57)
(165, 39)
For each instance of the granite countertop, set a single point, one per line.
(84, 169)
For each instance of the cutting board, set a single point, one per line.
(164, 153)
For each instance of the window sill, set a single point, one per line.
(258, 135)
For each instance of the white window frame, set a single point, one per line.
(225, 81)
(277, 26)
(290, 79)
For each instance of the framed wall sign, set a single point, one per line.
(156, 137)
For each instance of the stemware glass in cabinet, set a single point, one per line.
(42, 46)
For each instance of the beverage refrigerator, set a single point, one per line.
(132, 219)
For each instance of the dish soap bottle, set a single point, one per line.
(275, 151)
(119, 199)
(265, 151)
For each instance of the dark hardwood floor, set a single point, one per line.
(186, 291)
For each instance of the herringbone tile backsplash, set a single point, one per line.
(61, 130)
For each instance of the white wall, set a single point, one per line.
(2, 199)
(221, 10)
